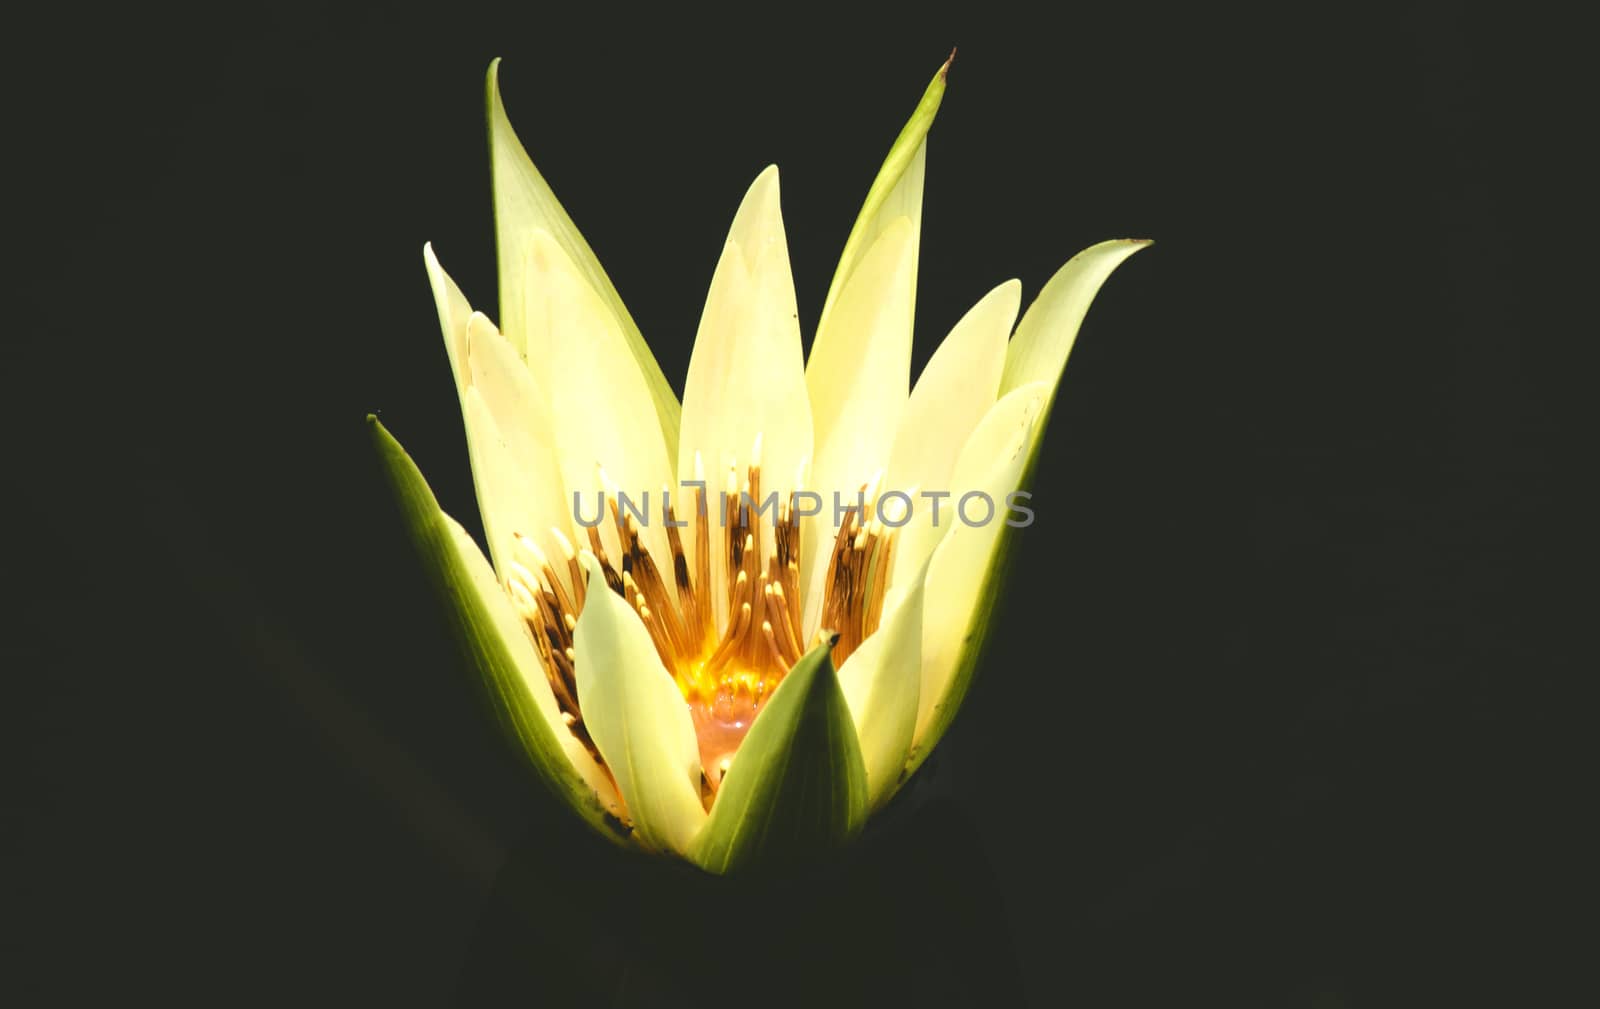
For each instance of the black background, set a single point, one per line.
(1250, 733)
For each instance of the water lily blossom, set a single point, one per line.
(729, 629)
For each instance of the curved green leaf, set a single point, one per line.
(486, 629)
(797, 785)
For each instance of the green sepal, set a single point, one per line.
(797, 785)
(481, 641)
(900, 157)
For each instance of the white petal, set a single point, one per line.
(998, 450)
(513, 631)
(955, 390)
(525, 442)
(637, 718)
(858, 378)
(958, 386)
(859, 370)
(747, 374)
(896, 190)
(1001, 448)
(509, 434)
(859, 374)
(601, 404)
(881, 681)
(454, 311)
(1038, 352)
(525, 207)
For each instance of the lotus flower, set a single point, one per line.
(743, 676)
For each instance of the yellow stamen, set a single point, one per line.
(724, 676)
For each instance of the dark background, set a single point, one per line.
(1254, 728)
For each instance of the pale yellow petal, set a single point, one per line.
(747, 375)
(956, 388)
(862, 350)
(881, 681)
(525, 207)
(637, 718)
(1044, 338)
(602, 408)
(896, 190)
(506, 417)
(858, 384)
(954, 391)
(454, 311)
(990, 468)
(523, 439)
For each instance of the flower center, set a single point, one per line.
(728, 636)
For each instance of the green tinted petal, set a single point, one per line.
(991, 463)
(1037, 355)
(1038, 351)
(797, 784)
(510, 437)
(524, 205)
(858, 375)
(494, 643)
(896, 191)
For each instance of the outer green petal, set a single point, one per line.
(637, 718)
(524, 204)
(897, 190)
(1037, 353)
(491, 641)
(797, 783)
(858, 374)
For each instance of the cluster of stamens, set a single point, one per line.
(726, 660)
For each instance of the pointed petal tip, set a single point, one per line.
(944, 71)
(491, 636)
(760, 199)
(385, 442)
(491, 87)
